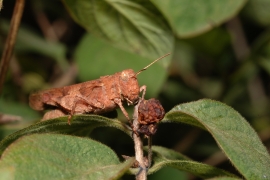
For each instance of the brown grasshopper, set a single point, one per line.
(96, 97)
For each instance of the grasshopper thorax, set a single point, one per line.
(129, 86)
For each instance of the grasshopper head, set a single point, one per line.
(129, 86)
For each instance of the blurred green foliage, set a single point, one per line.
(220, 50)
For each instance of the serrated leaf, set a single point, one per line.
(96, 58)
(55, 156)
(126, 24)
(163, 157)
(231, 131)
(190, 18)
(81, 125)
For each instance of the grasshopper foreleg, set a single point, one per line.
(119, 103)
(143, 90)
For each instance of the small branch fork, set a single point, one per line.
(142, 174)
(147, 113)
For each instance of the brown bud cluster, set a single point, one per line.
(150, 113)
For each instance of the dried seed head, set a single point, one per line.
(148, 129)
(150, 111)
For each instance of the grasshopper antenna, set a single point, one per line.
(152, 63)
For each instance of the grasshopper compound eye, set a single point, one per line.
(125, 75)
(129, 86)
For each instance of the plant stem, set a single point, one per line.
(138, 145)
(8, 49)
(149, 151)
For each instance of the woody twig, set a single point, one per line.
(142, 174)
(147, 114)
(8, 49)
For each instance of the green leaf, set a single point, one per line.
(164, 157)
(19, 109)
(7, 173)
(126, 24)
(80, 125)
(265, 64)
(247, 71)
(224, 178)
(97, 58)
(25, 116)
(54, 156)
(168, 173)
(258, 11)
(190, 18)
(29, 40)
(207, 43)
(231, 131)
